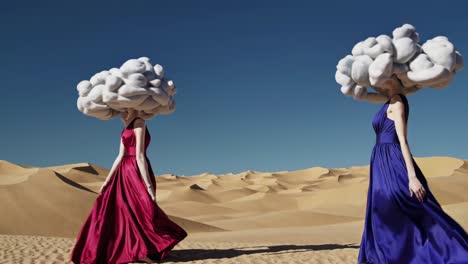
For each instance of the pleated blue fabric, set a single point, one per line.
(398, 228)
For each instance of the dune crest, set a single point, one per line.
(237, 217)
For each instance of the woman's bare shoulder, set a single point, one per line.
(139, 122)
(396, 98)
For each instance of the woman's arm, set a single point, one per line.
(139, 128)
(411, 90)
(372, 97)
(396, 112)
(114, 165)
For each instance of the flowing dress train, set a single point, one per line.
(125, 225)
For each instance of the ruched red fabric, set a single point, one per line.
(125, 225)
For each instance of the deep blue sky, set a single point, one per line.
(255, 81)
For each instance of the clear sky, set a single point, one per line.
(255, 79)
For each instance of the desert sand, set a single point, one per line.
(307, 216)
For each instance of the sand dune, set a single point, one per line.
(307, 216)
(13, 174)
(54, 201)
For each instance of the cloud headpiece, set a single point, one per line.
(376, 59)
(137, 85)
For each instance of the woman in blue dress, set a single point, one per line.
(404, 222)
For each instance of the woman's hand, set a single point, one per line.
(416, 188)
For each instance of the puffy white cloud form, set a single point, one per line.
(376, 59)
(137, 85)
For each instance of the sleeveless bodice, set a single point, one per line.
(398, 228)
(384, 127)
(125, 223)
(129, 139)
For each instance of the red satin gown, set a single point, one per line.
(125, 225)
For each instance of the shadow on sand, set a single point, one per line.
(183, 255)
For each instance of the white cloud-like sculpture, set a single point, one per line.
(375, 60)
(137, 85)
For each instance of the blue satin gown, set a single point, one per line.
(398, 228)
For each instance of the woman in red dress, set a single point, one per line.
(126, 224)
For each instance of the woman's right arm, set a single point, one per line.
(397, 110)
(114, 166)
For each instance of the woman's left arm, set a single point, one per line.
(140, 128)
(372, 97)
(411, 90)
(397, 113)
